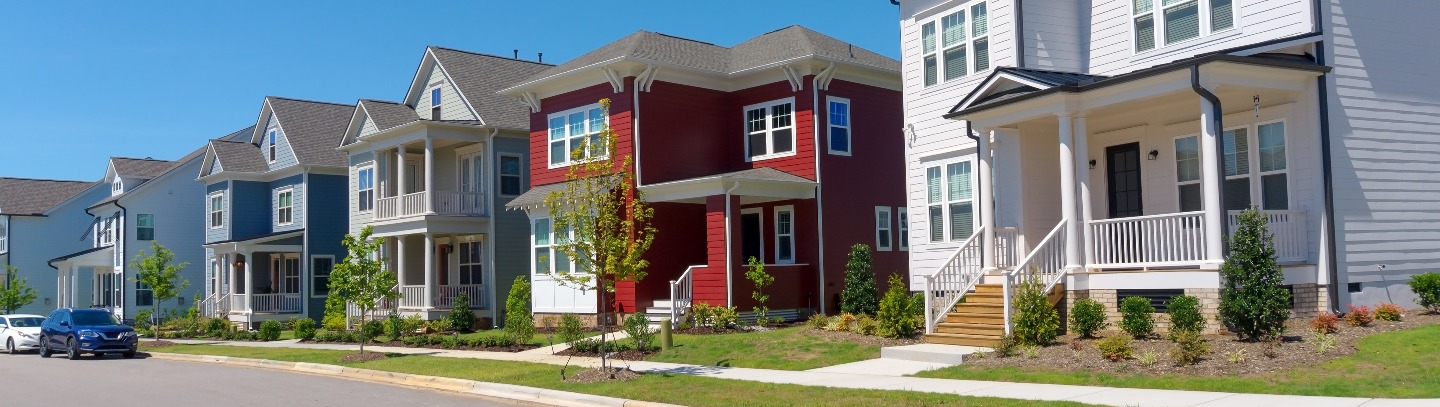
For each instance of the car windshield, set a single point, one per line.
(28, 322)
(94, 318)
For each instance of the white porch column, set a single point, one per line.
(1210, 183)
(71, 286)
(400, 260)
(400, 171)
(1067, 192)
(429, 176)
(430, 275)
(249, 281)
(1082, 177)
(987, 201)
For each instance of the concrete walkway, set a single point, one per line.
(1026, 391)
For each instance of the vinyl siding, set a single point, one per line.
(297, 203)
(358, 219)
(284, 156)
(36, 240)
(1053, 35)
(325, 228)
(452, 106)
(512, 228)
(1112, 44)
(223, 232)
(215, 167)
(367, 127)
(179, 226)
(250, 209)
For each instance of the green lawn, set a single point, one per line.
(784, 349)
(1402, 364)
(677, 389)
(539, 339)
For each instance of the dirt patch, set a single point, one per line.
(156, 344)
(845, 336)
(362, 357)
(1298, 348)
(615, 374)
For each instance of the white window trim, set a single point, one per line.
(210, 209)
(566, 115)
(117, 186)
(761, 212)
(968, 41)
(883, 213)
(138, 226)
(474, 153)
(359, 174)
(946, 235)
(278, 208)
(778, 210)
(1257, 186)
(481, 261)
(794, 129)
(1157, 15)
(1252, 139)
(272, 140)
(830, 126)
(313, 274)
(500, 174)
(902, 221)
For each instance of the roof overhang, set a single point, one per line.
(416, 86)
(614, 70)
(258, 242)
(274, 175)
(420, 130)
(92, 257)
(751, 190)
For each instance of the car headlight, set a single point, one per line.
(30, 336)
(89, 334)
(126, 335)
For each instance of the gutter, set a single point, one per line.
(1217, 115)
(1327, 173)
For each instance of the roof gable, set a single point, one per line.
(308, 127)
(478, 78)
(211, 163)
(373, 116)
(1008, 82)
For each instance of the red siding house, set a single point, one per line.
(787, 147)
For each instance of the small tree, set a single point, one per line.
(519, 323)
(155, 271)
(1037, 323)
(756, 274)
(1252, 301)
(17, 292)
(859, 297)
(462, 319)
(896, 317)
(601, 221)
(360, 279)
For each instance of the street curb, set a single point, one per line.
(485, 389)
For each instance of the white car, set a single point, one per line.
(20, 332)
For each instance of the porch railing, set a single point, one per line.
(412, 296)
(445, 295)
(1292, 242)
(237, 302)
(459, 203)
(444, 203)
(1007, 247)
(682, 290)
(216, 305)
(382, 309)
(948, 284)
(1154, 240)
(285, 302)
(1045, 266)
(387, 207)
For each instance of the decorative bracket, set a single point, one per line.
(617, 82)
(529, 99)
(645, 78)
(797, 83)
(825, 76)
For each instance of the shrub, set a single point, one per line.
(1359, 316)
(703, 314)
(461, 318)
(917, 305)
(865, 325)
(1325, 323)
(1185, 315)
(394, 327)
(1323, 342)
(638, 327)
(371, 329)
(1036, 322)
(142, 319)
(438, 325)
(411, 324)
(1189, 348)
(270, 330)
(1116, 347)
(842, 322)
(450, 341)
(1388, 312)
(519, 323)
(570, 329)
(217, 326)
(896, 318)
(1252, 301)
(595, 346)
(726, 318)
(1136, 318)
(305, 329)
(859, 296)
(1236, 357)
(1030, 351)
(817, 322)
(501, 341)
(1087, 317)
(1427, 290)
(333, 322)
(1149, 358)
(1007, 346)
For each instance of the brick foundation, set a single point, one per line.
(1310, 300)
(1209, 308)
(588, 320)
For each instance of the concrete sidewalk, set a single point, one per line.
(1026, 391)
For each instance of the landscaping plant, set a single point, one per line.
(703, 314)
(17, 292)
(1007, 346)
(142, 320)
(305, 329)
(519, 322)
(1116, 347)
(570, 329)
(394, 327)
(865, 325)
(1087, 317)
(896, 316)
(1136, 317)
(1036, 322)
(1252, 300)
(155, 272)
(637, 325)
(359, 279)
(1149, 358)
(1388, 312)
(460, 316)
(1189, 348)
(1185, 315)
(216, 327)
(755, 272)
(817, 322)
(726, 318)
(1325, 323)
(1427, 289)
(270, 330)
(1359, 316)
(859, 296)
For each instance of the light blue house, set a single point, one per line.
(39, 220)
(274, 213)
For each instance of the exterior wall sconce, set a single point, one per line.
(1092, 164)
(1153, 155)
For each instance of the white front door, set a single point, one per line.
(471, 178)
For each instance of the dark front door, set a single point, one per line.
(750, 237)
(1122, 176)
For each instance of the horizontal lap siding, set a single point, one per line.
(1053, 37)
(795, 285)
(223, 232)
(680, 242)
(803, 162)
(540, 173)
(359, 219)
(687, 132)
(709, 282)
(1112, 44)
(1384, 115)
(249, 209)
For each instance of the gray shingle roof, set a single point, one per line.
(535, 196)
(480, 77)
(386, 115)
(311, 128)
(239, 156)
(1052, 78)
(790, 43)
(21, 196)
(140, 167)
(765, 174)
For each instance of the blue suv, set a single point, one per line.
(76, 331)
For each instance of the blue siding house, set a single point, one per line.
(39, 220)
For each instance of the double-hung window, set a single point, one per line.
(509, 175)
(950, 199)
(4, 234)
(1165, 22)
(320, 267)
(883, 228)
(435, 104)
(271, 141)
(217, 210)
(144, 226)
(365, 188)
(472, 260)
(1274, 179)
(1236, 144)
(144, 296)
(963, 44)
(284, 206)
(1255, 168)
(548, 257)
(1187, 173)
(785, 234)
(839, 118)
(770, 129)
(572, 130)
(903, 218)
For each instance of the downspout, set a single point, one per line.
(1019, 34)
(819, 196)
(1327, 174)
(970, 133)
(729, 282)
(123, 255)
(489, 239)
(1218, 117)
(635, 119)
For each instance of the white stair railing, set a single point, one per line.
(948, 284)
(681, 291)
(1007, 247)
(1045, 265)
(382, 309)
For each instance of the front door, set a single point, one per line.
(750, 236)
(1122, 172)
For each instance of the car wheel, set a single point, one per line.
(73, 349)
(10, 346)
(45, 347)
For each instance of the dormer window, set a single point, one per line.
(117, 186)
(435, 104)
(271, 140)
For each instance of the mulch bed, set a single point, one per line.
(600, 376)
(1297, 349)
(628, 355)
(362, 357)
(156, 344)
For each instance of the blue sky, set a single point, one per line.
(83, 81)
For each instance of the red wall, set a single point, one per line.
(620, 103)
(803, 162)
(686, 132)
(680, 242)
(795, 285)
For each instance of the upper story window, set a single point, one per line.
(770, 129)
(510, 175)
(106, 234)
(271, 141)
(4, 234)
(950, 197)
(435, 104)
(117, 186)
(365, 188)
(284, 206)
(216, 209)
(144, 226)
(575, 128)
(1173, 21)
(839, 118)
(963, 46)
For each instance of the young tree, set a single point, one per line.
(155, 271)
(17, 292)
(859, 296)
(1252, 300)
(519, 323)
(601, 220)
(360, 279)
(755, 272)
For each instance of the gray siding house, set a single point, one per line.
(39, 220)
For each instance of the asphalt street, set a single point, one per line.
(29, 380)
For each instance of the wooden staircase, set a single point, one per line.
(980, 320)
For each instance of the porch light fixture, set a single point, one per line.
(1257, 105)
(1092, 164)
(1153, 155)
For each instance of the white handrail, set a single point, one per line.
(412, 296)
(382, 308)
(1047, 260)
(681, 292)
(1171, 238)
(445, 295)
(1007, 247)
(948, 284)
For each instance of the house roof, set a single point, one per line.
(535, 196)
(22, 196)
(779, 46)
(79, 253)
(480, 77)
(763, 174)
(140, 167)
(239, 156)
(310, 127)
(387, 115)
(173, 165)
(1049, 77)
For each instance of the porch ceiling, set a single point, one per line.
(94, 257)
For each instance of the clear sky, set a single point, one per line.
(82, 81)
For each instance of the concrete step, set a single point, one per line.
(930, 352)
(972, 329)
(980, 308)
(657, 310)
(975, 318)
(962, 339)
(663, 304)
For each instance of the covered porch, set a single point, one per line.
(264, 278)
(434, 268)
(90, 279)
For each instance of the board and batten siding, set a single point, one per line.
(452, 107)
(284, 155)
(359, 219)
(1112, 48)
(1384, 114)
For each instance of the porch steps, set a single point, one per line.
(979, 321)
(657, 310)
